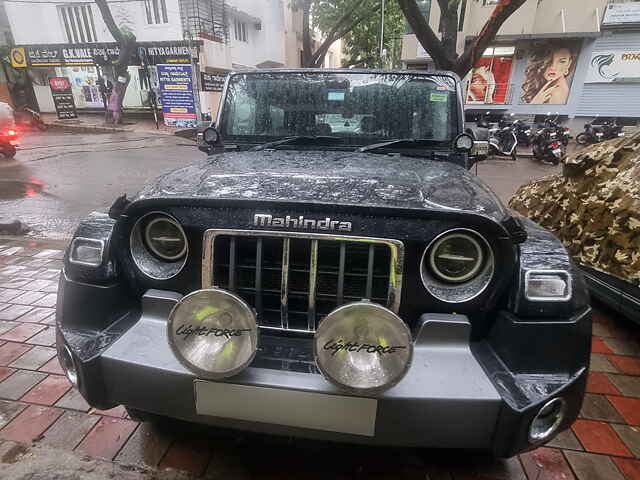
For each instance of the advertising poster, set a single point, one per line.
(614, 66)
(490, 80)
(212, 82)
(176, 95)
(549, 73)
(63, 97)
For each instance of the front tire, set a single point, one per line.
(9, 151)
(582, 139)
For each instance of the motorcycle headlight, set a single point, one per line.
(363, 347)
(159, 246)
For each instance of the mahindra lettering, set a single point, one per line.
(331, 270)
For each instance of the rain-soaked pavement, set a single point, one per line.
(57, 178)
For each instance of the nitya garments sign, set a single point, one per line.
(614, 66)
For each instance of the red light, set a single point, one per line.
(555, 145)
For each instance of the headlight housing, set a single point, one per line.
(159, 246)
(457, 266)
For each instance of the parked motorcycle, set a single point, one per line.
(8, 143)
(523, 132)
(547, 145)
(596, 134)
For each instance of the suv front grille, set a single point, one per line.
(293, 280)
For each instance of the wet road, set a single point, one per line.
(58, 178)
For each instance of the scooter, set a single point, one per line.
(8, 143)
(523, 133)
(503, 141)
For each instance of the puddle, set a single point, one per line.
(16, 189)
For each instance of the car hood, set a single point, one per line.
(346, 178)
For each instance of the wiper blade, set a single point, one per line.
(401, 142)
(298, 140)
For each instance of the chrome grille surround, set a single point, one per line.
(316, 240)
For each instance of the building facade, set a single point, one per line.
(70, 39)
(577, 58)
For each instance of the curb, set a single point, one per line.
(102, 129)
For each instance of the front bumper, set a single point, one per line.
(457, 393)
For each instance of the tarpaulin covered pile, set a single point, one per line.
(593, 207)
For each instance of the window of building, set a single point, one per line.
(156, 11)
(78, 23)
(487, 3)
(240, 29)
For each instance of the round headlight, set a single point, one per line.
(547, 421)
(213, 333)
(456, 258)
(165, 239)
(363, 347)
(464, 142)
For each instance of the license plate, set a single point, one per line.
(292, 408)
(557, 151)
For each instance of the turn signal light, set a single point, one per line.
(547, 286)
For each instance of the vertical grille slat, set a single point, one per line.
(293, 280)
(313, 275)
(340, 295)
(284, 289)
(259, 278)
(232, 264)
(369, 288)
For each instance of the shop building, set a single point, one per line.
(70, 39)
(577, 58)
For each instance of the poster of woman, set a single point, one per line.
(490, 80)
(549, 73)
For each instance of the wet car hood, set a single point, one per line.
(329, 177)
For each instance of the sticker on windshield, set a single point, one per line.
(439, 97)
(335, 95)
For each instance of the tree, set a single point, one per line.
(443, 50)
(335, 19)
(361, 45)
(126, 41)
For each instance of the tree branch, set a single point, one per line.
(425, 35)
(487, 35)
(109, 21)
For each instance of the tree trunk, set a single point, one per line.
(449, 27)
(306, 33)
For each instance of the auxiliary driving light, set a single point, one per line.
(547, 421)
(213, 333)
(363, 347)
(67, 364)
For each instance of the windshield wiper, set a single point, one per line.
(298, 140)
(402, 143)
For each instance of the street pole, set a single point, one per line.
(382, 35)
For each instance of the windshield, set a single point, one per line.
(359, 108)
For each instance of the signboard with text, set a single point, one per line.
(63, 97)
(614, 66)
(622, 13)
(176, 95)
(212, 82)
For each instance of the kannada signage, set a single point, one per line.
(622, 13)
(212, 82)
(105, 54)
(614, 66)
(63, 97)
(176, 95)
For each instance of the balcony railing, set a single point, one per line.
(489, 93)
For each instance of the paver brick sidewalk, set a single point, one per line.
(37, 404)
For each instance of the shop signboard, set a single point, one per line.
(105, 54)
(622, 13)
(176, 95)
(614, 66)
(63, 97)
(212, 82)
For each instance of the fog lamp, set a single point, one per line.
(213, 333)
(86, 251)
(547, 421)
(547, 286)
(363, 347)
(68, 365)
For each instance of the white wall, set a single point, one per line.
(41, 23)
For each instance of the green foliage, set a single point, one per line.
(361, 44)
